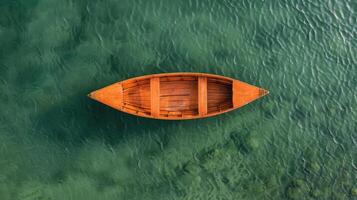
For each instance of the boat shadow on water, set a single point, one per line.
(79, 119)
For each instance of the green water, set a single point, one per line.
(299, 142)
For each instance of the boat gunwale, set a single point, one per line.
(177, 74)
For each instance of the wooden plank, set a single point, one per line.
(178, 92)
(202, 95)
(180, 84)
(189, 112)
(178, 98)
(175, 113)
(134, 83)
(179, 108)
(137, 98)
(136, 108)
(144, 107)
(136, 89)
(221, 81)
(155, 96)
(178, 78)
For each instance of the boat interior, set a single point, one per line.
(177, 96)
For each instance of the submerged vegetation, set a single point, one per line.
(297, 143)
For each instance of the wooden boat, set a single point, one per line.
(178, 96)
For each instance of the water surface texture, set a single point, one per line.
(299, 142)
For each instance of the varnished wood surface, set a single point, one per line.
(202, 95)
(178, 96)
(155, 96)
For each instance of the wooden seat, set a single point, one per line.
(155, 96)
(202, 95)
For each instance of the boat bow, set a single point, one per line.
(244, 93)
(111, 95)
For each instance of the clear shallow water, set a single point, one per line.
(297, 143)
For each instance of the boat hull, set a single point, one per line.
(178, 96)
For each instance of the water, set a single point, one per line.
(299, 142)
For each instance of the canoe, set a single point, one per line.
(178, 96)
